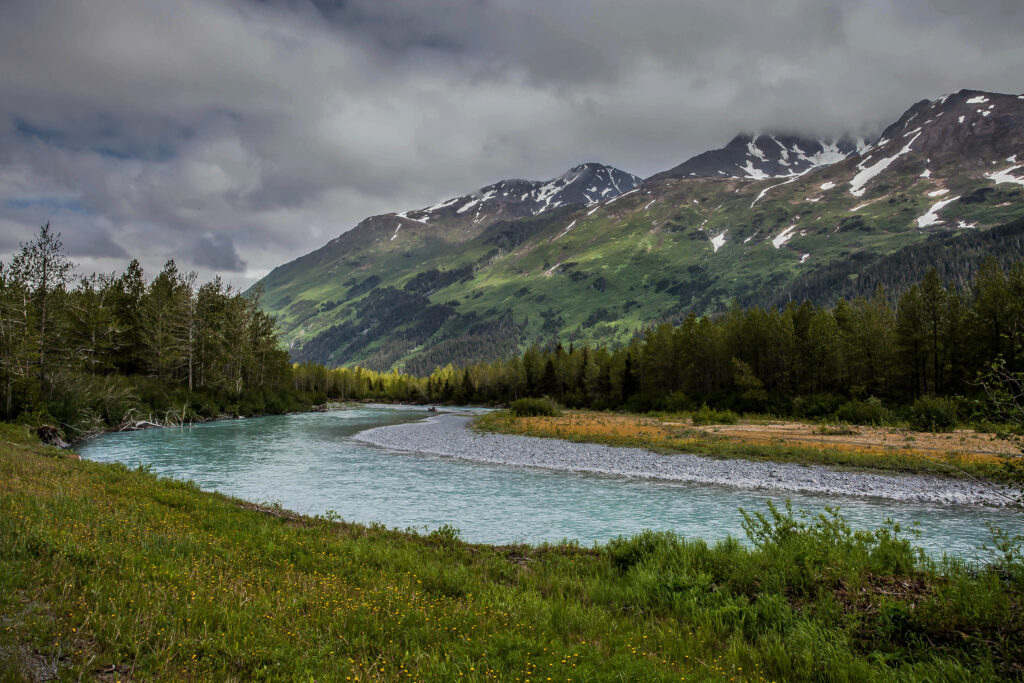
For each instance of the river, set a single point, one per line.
(311, 464)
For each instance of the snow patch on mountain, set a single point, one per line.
(770, 187)
(1006, 175)
(932, 216)
(760, 157)
(755, 173)
(868, 172)
(586, 184)
(784, 236)
(718, 240)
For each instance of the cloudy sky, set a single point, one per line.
(235, 135)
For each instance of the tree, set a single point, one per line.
(42, 267)
(129, 291)
(94, 330)
(162, 314)
(17, 345)
(549, 382)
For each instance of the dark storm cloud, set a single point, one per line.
(235, 135)
(217, 252)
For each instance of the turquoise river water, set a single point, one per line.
(309, 463)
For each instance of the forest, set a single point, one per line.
(858, 358)
(111, 350)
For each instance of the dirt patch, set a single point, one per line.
(956, 448)
(979, 445)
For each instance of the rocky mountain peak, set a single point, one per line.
(760, 156)
(585, 184)
(969, 125)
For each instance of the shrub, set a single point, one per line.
(818, 551)
(446, 534)
(676, 402)
(816, 405)
(535, 407)
(626, 552)
(869, 412)
(933, 414)
(710, 416)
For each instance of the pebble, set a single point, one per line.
(450, 435)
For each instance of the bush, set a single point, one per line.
(626, 552)
(816, 405)
(815, 552)
(710, 416)
(676, 402)
(869, 412)
(534, 407)
(446, 534)
(933, 414)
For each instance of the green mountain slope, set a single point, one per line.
(459, 287)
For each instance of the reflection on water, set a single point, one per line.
(309, 463)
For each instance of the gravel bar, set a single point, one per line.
(450, 435)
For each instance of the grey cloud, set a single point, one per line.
(83, 237)
(217, 252)
(274, 125)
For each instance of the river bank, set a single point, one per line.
(451, 436)
(114, 573)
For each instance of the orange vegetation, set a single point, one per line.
(679, 434)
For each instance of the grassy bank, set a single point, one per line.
(114, 574)
(672, 434)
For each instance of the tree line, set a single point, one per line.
(104, 349)
(94, 350)
(800, 359)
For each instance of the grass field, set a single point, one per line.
(671, 433)
(113, 574)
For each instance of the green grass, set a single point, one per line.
(112, 573)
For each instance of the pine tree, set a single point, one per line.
(45, 272)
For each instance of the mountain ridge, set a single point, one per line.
(490, 272)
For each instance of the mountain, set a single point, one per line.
(484, 275)
(585, 184)
(765, 156)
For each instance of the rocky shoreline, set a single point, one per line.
(450, 435)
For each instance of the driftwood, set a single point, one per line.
(92, 424)
(132, 421)
(51, 436)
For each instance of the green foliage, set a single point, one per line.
(710, 416)
(816, 405)
(534, 407)
(1007, 553)
(627, 552)
(862, 362)
(869, 412)
(446, 533)
(934, 414)
(113, 350)
(821, 549)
